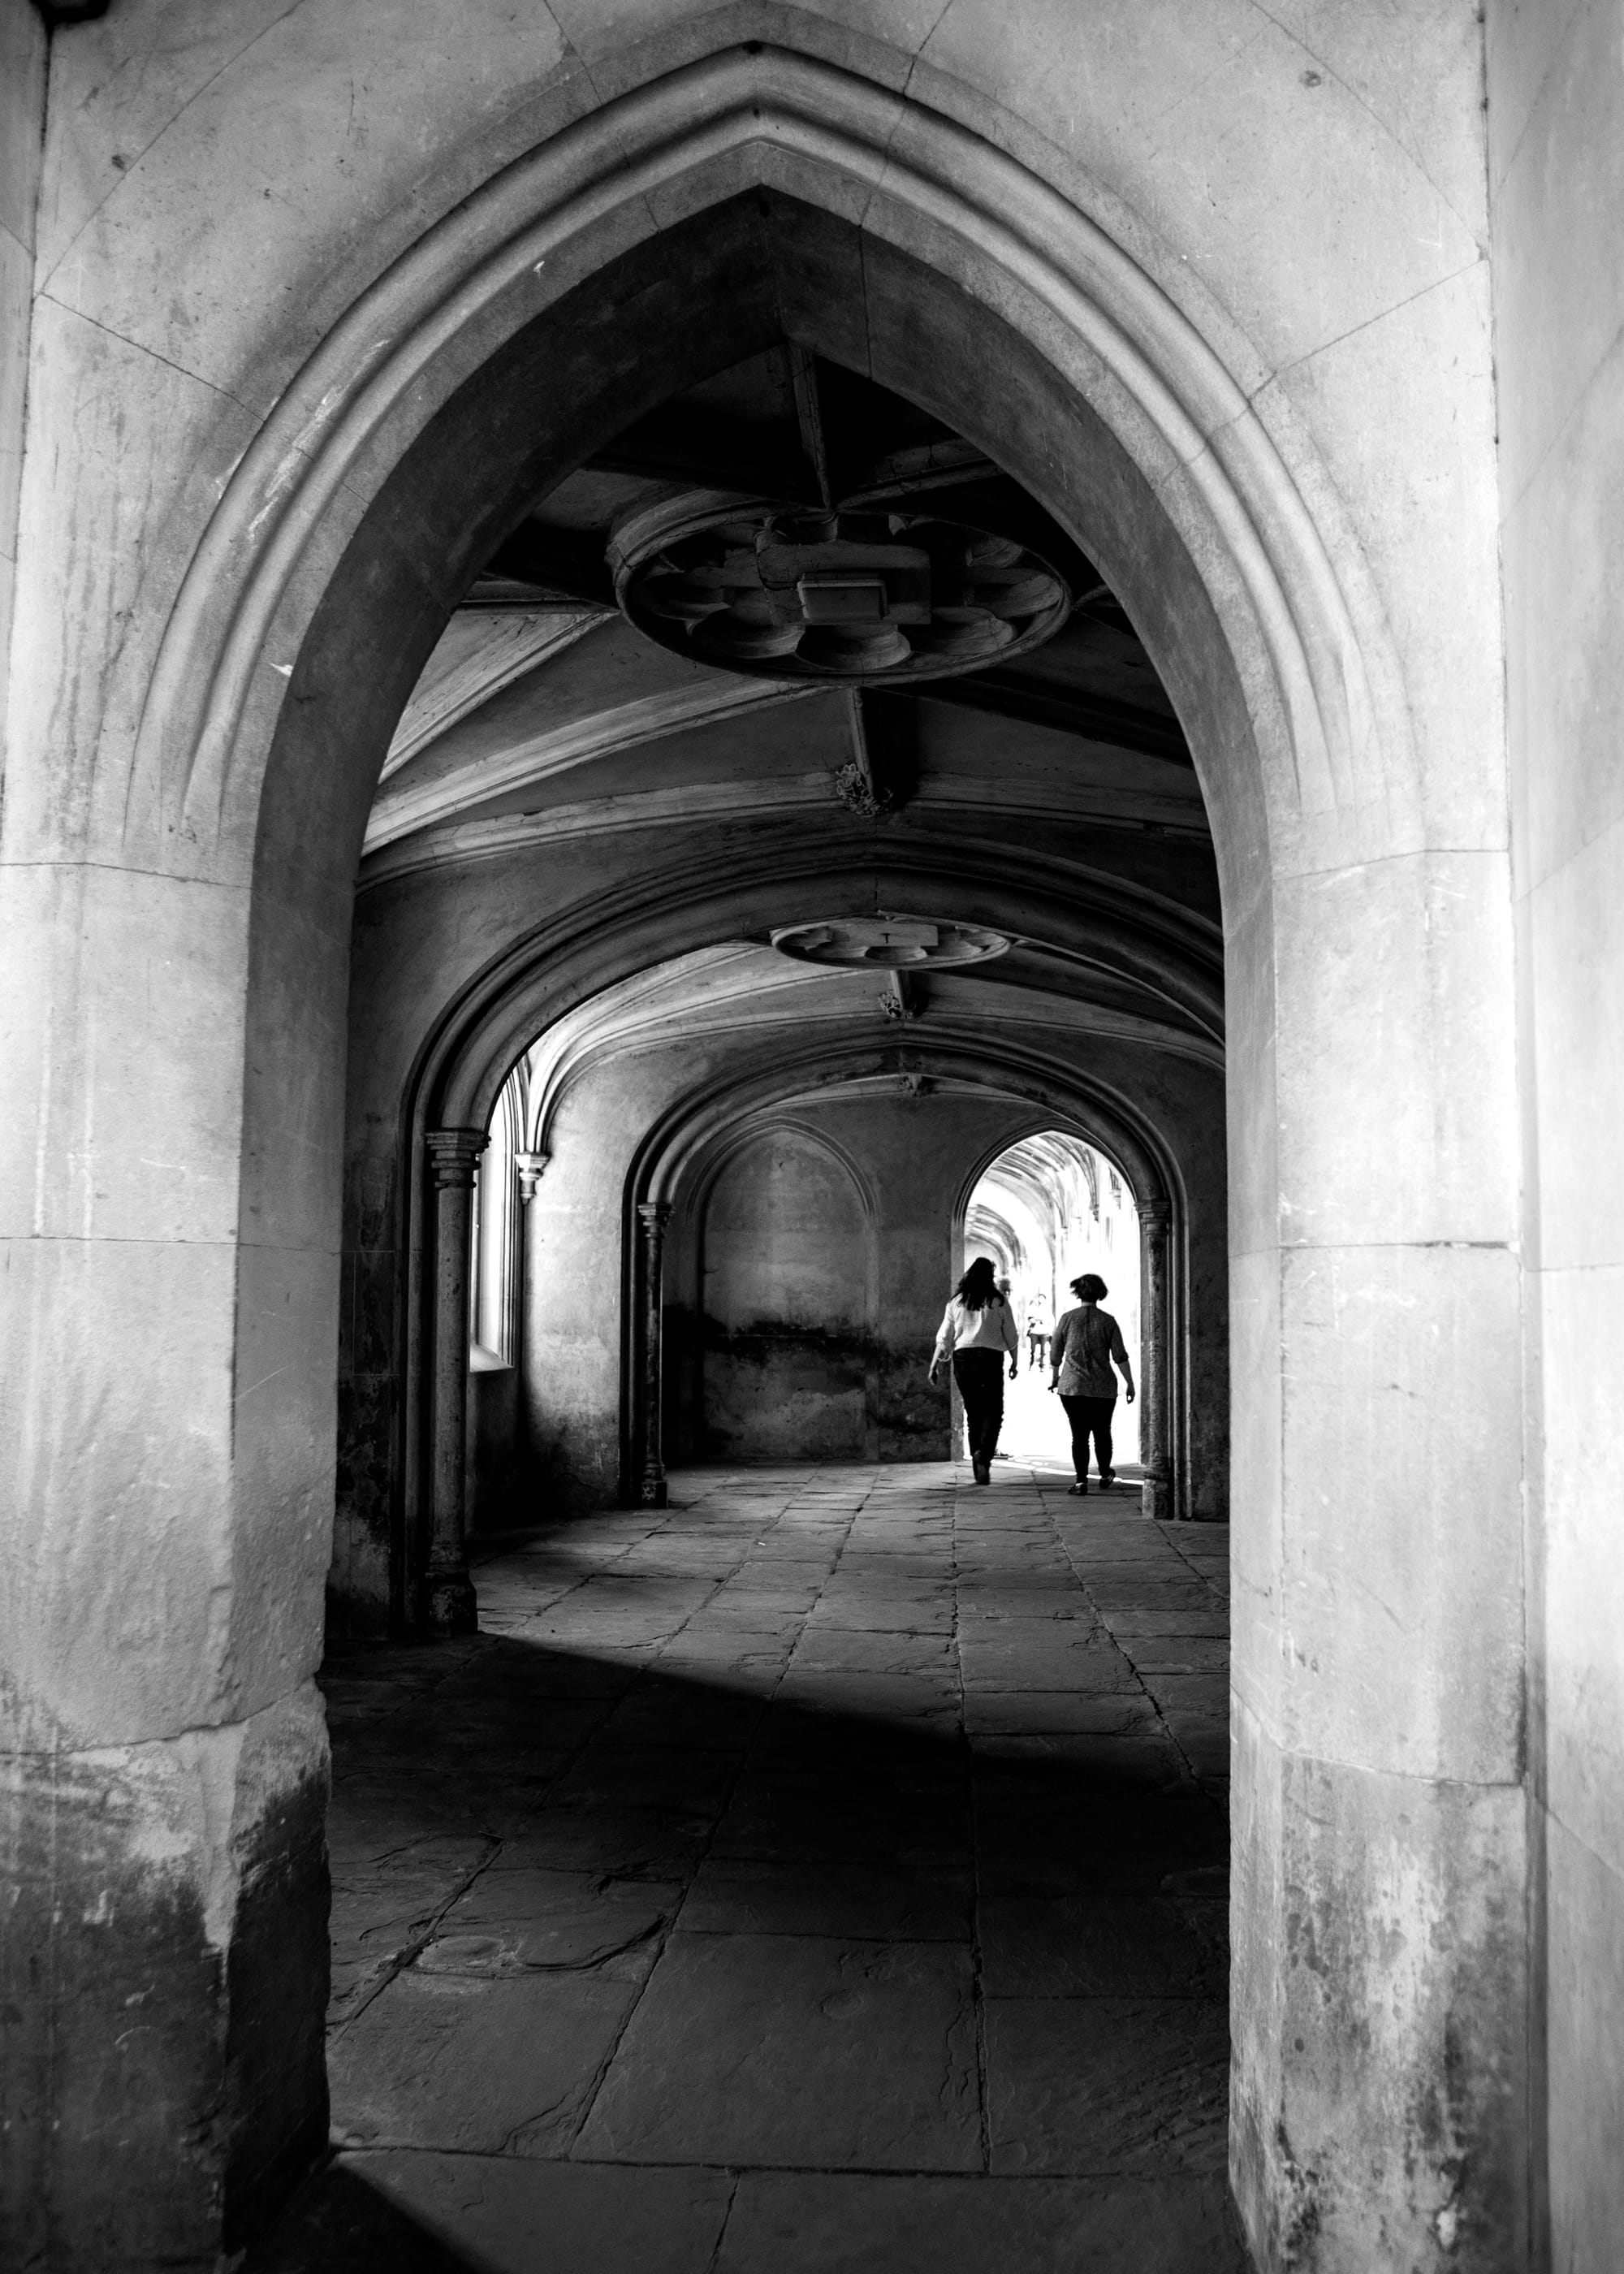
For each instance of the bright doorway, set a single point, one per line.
(1048, 1209)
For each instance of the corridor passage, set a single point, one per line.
(825, 1873)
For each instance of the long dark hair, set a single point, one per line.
(980, 1284)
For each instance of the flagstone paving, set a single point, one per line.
(828, 1871)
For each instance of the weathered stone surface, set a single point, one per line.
(494, 2067)
(774, 2049)
(1113, 1712)
(1108, 2084)
(850, 1901)
(1104, 1946)
(827, 2223)
(795, 1969)
(111, 1879)
(384, 1907)
(521, 1918)
(1304, 294)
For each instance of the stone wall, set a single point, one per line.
(769, 1360)
(913, 1156)
(784, 1317)
(1556, 101)
(1219, 276)
(22, 136)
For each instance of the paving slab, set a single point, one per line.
(873, 1901)
(525, 1917)
(1104, 1946)
(681, 1778)
(383, 1907)
(615, 1843)
(493, 2067)
(1094, 2085)
(774, 2049)
(851, 2222)
(1118, 1713)
(510, 2215)
(665, 1915)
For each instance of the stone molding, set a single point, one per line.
(776, 119)
(532, 1168)
(456, 1155)
(402, 810)
(515, 644)
(439, 844)
(1131, 933)
(1061, 1095)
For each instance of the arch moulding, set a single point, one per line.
(1292, 593)
(258, 748)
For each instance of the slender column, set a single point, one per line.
(1155, 1318)
(653, 1216)
(449, 1605)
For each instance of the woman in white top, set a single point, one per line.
(977, 1329)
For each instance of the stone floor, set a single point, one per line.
(827, 1873)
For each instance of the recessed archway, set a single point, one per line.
(1165, 593)
(1048, 1208)
(699, 217)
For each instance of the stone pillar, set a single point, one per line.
(653, 1216)
(1156, 1369)
(449, 1605)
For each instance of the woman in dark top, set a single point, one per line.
(978, 1326)
(1081, 1351)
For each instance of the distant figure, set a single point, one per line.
(1037, 1329)
(1081, 1351)
(978, 1328)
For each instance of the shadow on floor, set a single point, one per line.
(531, 1829)
(880, 1935)
(341, 2224)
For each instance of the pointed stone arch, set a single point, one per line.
(780, 193)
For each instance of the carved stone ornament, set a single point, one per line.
(889, 943)
(456, 1155)
(785, 593)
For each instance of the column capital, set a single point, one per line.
(656, 1215)
(532, 1168)
(1156, 1217)
(456, 1155)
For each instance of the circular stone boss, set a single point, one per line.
(784, 592)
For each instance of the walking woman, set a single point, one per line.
(978, 1328)
(1080, 1353)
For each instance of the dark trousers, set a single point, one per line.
(980, 1376)
(1089, 1417)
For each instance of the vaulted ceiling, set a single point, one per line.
(572, 697)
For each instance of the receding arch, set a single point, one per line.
(783, 1318)
(701, 1124)
(1021, 1180)
(713, 211)
(770, 119)
(562, 964)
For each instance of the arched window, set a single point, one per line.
(493, 1277)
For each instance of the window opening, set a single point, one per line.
(493, 1273)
